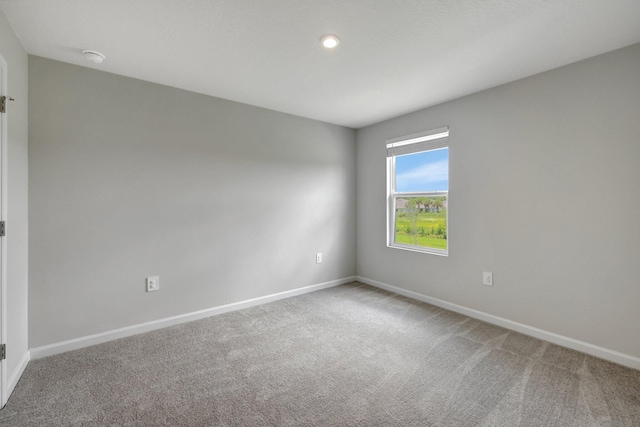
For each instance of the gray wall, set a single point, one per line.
(128, 179)
(17, 176)
(544, 181)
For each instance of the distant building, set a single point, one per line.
(401, 204)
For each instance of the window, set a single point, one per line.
(418, 192)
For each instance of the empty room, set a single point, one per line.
(305, 213)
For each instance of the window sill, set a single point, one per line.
(438, 252)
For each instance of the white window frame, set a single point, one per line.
(411, 144)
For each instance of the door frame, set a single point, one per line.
(3, 241)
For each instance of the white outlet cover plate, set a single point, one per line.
(487, 278)
(153, 283)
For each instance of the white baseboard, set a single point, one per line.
(89, 340)
(15, 377)
(594, 350)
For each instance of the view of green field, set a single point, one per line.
(422, 226)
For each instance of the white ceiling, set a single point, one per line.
(396, 56)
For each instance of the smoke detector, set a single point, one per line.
(93, 56)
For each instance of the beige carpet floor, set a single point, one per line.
(346, 356)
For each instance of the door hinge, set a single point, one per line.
(3, 351)
(2, 228)
(3, 103)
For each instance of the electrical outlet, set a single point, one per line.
(318, 257)
(153, 283)
(487, 278)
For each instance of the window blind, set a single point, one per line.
(424, 141)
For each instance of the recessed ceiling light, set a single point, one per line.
(329, 41)
(93, 56)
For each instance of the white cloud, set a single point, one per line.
(423, 177)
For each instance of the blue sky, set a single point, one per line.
(426, 171)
